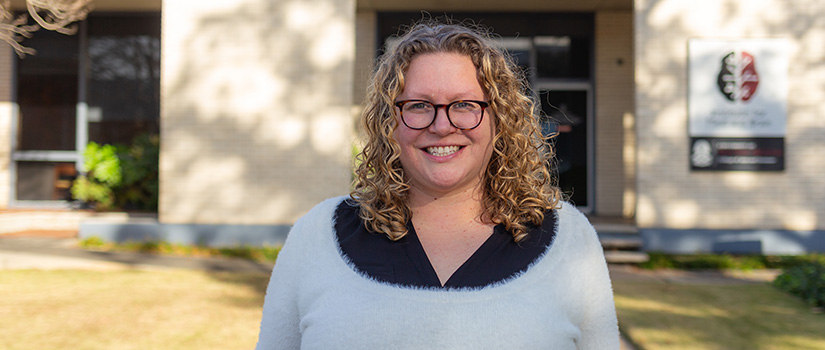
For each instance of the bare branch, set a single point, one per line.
(55, 15)
(14, 30)
(58, 15)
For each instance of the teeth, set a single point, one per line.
(442, 150)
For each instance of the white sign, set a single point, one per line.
(737, 88)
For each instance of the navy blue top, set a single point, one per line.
(404, 261)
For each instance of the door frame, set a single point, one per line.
(587, 86)
(81, 132)
(590, 131)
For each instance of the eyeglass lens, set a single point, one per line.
(462, 114)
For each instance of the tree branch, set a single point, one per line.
(58, 15)
(54, 15)
(14, 30)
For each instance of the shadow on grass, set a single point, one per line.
(754, 316)
(254, 282)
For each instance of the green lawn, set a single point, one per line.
(182, 309)
(129, 309)
(660, 315)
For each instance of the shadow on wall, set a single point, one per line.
(790, 201)
(256, 124)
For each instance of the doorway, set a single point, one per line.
(558, 69)
(555, 51)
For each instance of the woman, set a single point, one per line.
(454, 237)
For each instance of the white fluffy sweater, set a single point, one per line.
(316, 300)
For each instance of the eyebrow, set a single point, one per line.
(465, 95)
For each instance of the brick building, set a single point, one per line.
(256, 101)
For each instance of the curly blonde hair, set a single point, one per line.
(518, 188)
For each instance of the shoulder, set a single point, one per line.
(321, 215)
(568, 214)
(570, 211)
(574, 226)
(316, 225)
(324, 209)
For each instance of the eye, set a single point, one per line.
(465, 106)
(418, 107)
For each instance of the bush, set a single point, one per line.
(806, 280)
(706, 261)
(93, 242)
(119, 176)
(265, 254)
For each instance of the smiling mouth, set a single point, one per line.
(441, 151)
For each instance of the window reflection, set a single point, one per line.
(47, 93)
(562, 57)
(124, 78)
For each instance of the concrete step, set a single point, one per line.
(618, 241)
(621, 242)
(616, 228)
(625, 257)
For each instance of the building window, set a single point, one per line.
(123, 79)
(47, 93)
(101, 84)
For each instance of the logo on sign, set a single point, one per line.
(738, 78)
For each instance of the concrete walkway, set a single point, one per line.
(49, 253)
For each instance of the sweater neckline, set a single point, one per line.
(535, 272)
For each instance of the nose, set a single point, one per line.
(441, 125)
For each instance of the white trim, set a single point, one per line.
(15, 113)
(82, 114)
(567, 85)
(46, 156)
(513, 43)
(40, 204)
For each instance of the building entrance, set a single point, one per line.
(555, 52)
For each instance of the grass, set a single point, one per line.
(182, 309)
(661, 315)
(726, 261)
(264, 254)
(129, 309)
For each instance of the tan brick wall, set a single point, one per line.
(669, 195)
(615, 136)
(7, 107)
(256, 108)
(365, 32)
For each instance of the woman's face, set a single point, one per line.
(440, 160)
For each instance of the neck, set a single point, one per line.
(462, 205)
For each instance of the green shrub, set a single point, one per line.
(704, 261)
(806, 280)
(119, 176)
(265, 253)
(93, 242)
(726, 261)
(658, 261)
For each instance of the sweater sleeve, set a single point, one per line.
(597, 318)
(280, 323)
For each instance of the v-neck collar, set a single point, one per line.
(404, 261)
(425, 267)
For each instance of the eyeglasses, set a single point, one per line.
(462, 114)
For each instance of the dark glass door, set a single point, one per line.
(555, 52)
(565, 119)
